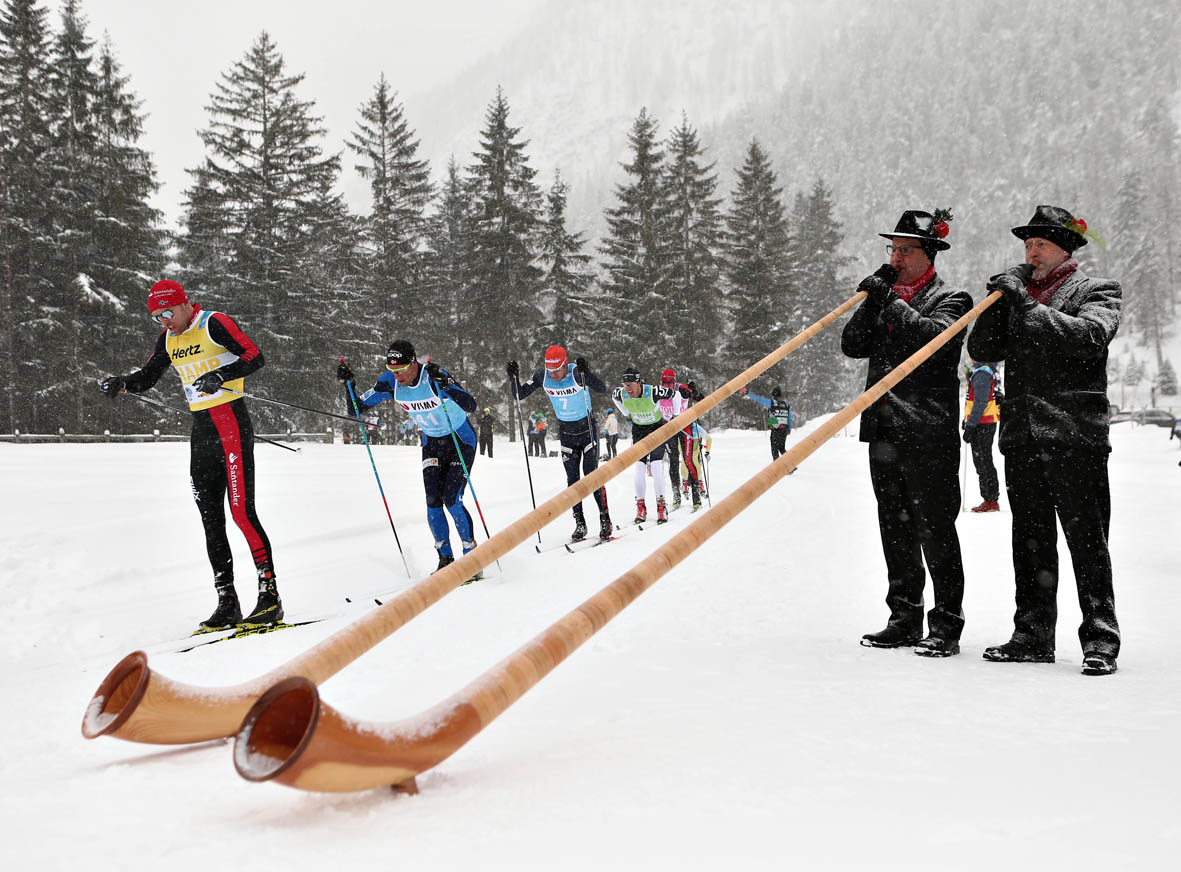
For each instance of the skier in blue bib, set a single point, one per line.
(567, 389)
(439, 406)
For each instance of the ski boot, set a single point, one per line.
(676, 499)
(228, 613)
(606, 528)
(661, 511)
(444, 560)
(579, 526)
(641, 511)
(696, 490)
(269, 608)
(471, 546)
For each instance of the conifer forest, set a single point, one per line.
(710, 241)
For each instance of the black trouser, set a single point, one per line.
(918, 495)
(485, 442)
(675, 451)
(612, 440)
(778, 442)
(1072, 484)
(982, 436)
(580, 456)
(221, 464)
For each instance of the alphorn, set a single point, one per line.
(292, 736)
(139, 705)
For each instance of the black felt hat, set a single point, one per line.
(1055, 224)
(923, 226)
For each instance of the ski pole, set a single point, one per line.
(288, 405)
(521, 424)
(462, 463)
(357, 410)
(177, 411)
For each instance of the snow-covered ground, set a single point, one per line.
(727, 719)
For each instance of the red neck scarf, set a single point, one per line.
(1043, 290)
(907, 292)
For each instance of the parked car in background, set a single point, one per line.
(1114, 415)
(1159, 417)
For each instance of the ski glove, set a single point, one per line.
(880, 285)
(112, 385)
(582, 364)
(344, 372)
(512, 369)
(437, 375)
(969, 432)
(210, 383)
(695, 392)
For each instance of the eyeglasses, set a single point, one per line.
(904, 250)
(162, 316)
(393, 368)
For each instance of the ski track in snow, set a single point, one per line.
(728, 716)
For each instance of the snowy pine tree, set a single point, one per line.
(762, 299)
(635, 255)
(264, 192)
(394, 230)
(503, 292)
(694, 258)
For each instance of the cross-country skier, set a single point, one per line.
(439, 406)
(778, 417)
(209, 351)
(567, 388)
(638, 402)
(680, 453)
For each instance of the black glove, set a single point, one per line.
(1012, 284)
(112, 385)
(512, 369)
(437, 375)
(880, 285)
(969, 432)
(210, 383)
(582, 364)
(695, 392)
(344, 372)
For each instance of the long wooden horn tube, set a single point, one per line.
(291, 736)
(139, 705)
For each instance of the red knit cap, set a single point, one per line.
(166, 293)
(555, 356)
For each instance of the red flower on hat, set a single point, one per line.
(941, 229)
(1078, 225)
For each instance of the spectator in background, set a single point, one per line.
(487, 425)
(981, 413)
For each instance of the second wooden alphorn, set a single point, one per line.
(292, 736)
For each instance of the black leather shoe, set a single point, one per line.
(934, 646)
(891, 637)
(1098, 663)
(1017, 652)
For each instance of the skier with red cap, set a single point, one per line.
(567, 387)
(678, 445)
(212, 355)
